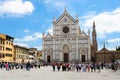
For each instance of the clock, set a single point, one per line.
(65, 29)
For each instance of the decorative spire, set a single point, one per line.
(76, 17)
(54, 19)
(94, 30)
(104, 45)
(116, 48)
(88, 31)
(65, 10)
(77, 21)
(43, 35)
(93, 23)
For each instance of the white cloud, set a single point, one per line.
(26, 30)
(16, 7)
(21, 44)
(29, 38)
(57, 4)
(50, 30)
(37, 35)
(91, 15)
(106, 22)
(101, 35)
(91, 6)
(47, 1)
(112, 48)
(39, 47)
(114, 40)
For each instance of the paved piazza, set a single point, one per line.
(46, 73)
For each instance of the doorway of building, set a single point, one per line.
(65, 57)
(48, 58)
(83, 58)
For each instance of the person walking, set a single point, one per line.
(28, 66)
(58, 66)
(53, 65)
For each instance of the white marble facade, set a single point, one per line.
(67, 43)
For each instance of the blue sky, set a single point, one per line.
(26, 20)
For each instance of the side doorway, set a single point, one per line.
(66, 57)
(48, 59)
(83, 58)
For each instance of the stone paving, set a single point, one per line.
(46, 73)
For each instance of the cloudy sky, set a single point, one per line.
(26, 20)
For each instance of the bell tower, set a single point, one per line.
(94, 43)
(94, 37)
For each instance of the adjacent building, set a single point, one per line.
(33, 55)
(6, 48)
(21, 54)
(39, 55)
(15, 53)
(107, 56)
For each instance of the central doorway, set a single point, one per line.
(65, 57)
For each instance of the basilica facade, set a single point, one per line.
(67, 43)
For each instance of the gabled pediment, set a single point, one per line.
(65, 18)
(48, 36)
(83, 34)
(104, 49)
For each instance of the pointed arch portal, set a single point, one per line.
(48, 59)
(65, 53)
(66, 57)
(83, 58)
(83, 54)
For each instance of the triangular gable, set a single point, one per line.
(66, 15)
(48, 36)
(104, 49)
(83, 34)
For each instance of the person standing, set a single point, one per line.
(98, 67)
(102, 65)
(28, 66)
(77, 67)
(39, 65)
(1, 65)
(7, 66)
(63, 67)
(58, 66)
(53, 65)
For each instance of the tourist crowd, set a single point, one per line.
(83, 67)
(62, 66)
(11, 66)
